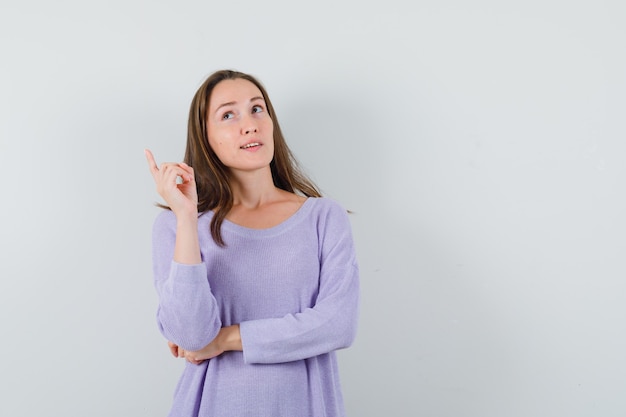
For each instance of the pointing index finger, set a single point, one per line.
(151, 162)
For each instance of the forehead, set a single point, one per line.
(229, 91)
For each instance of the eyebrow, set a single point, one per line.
(230, 103)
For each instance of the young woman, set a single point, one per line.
(256, 273)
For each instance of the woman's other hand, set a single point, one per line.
(179, 352)
(229, 338)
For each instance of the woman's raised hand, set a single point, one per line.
(176, 184)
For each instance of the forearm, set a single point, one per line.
(187, 246)
(296, 337)
(188, 313)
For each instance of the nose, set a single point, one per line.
(248, 126)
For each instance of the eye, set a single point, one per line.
(257, 109)
(228, 115)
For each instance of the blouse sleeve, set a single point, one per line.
(187, 312)
(331, 323)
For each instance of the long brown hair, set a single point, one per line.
(214, 192)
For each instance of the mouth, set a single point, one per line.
(250, 145)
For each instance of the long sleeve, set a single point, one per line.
(187, 314)
(329, 324)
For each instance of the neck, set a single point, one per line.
(253, 189)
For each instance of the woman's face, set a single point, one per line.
(240, 130)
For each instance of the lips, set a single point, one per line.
(250, 145)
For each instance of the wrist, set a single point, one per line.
(189, 216)
(230, 338)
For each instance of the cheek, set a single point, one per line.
(215, 145)
(214, 138)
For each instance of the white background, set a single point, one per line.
(481, 146)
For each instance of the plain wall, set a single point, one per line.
(481, 146)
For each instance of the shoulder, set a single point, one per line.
(329, 213)
(327, 205)
(334, 230)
